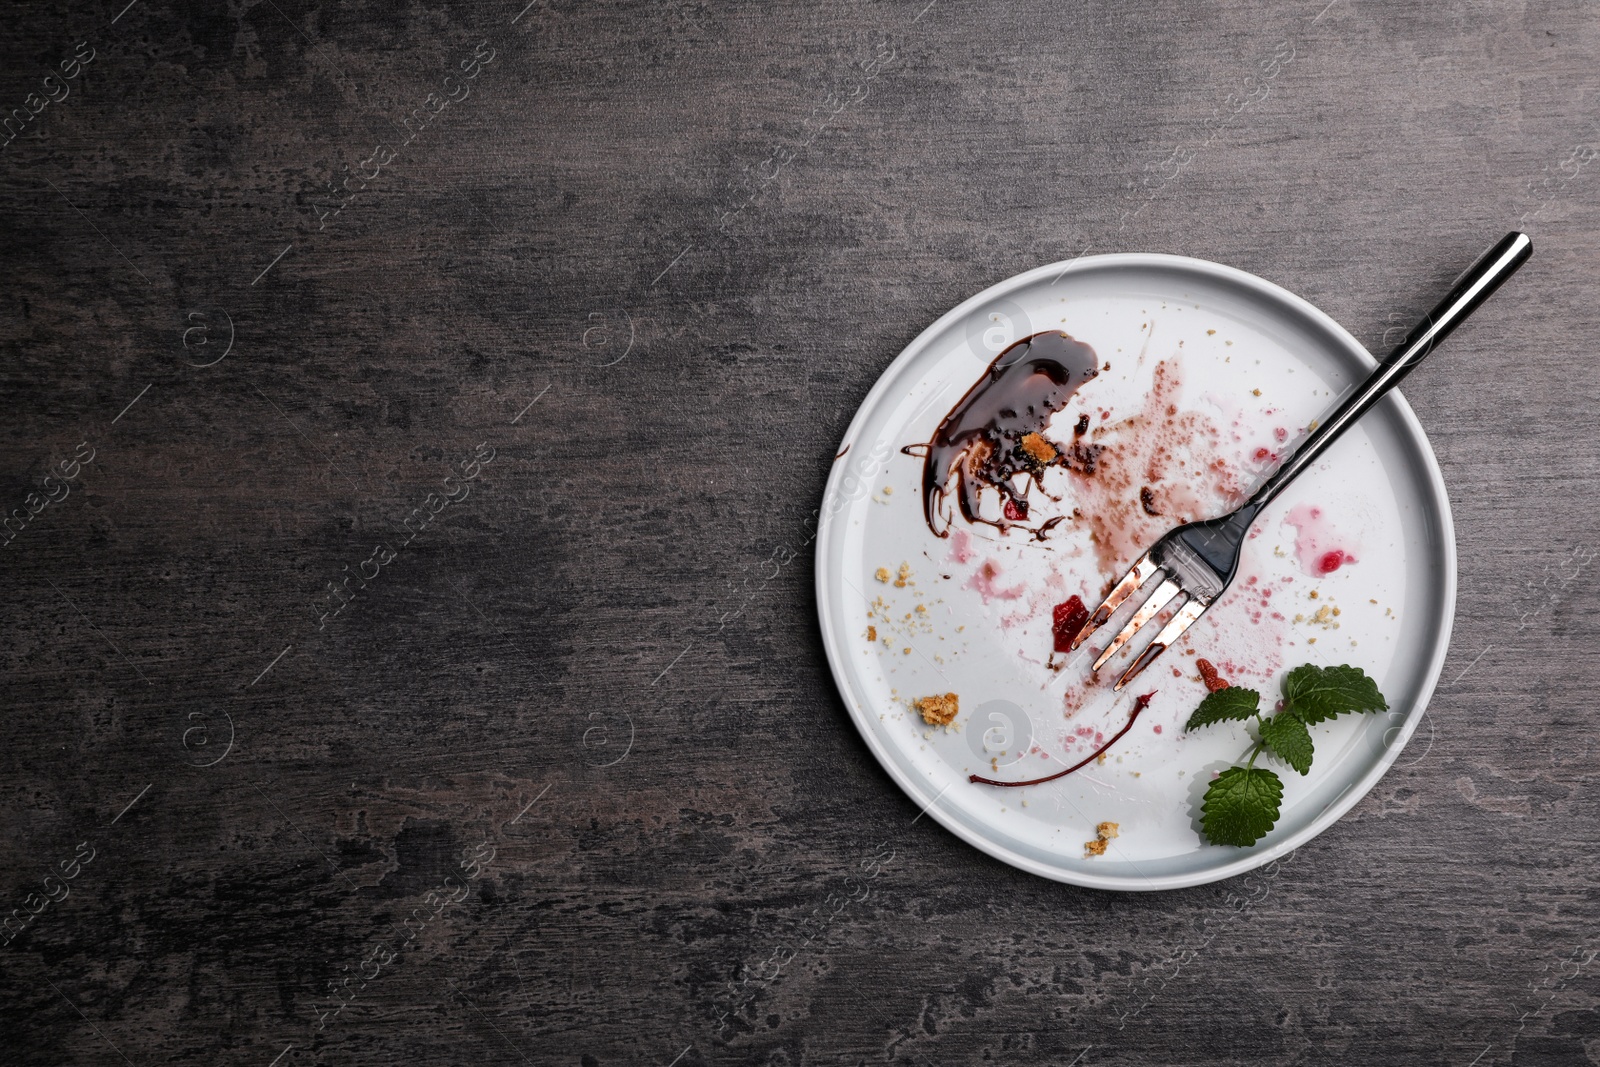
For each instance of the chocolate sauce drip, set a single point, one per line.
(1139, 705)
(980, 442)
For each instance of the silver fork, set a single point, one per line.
(1199, 559)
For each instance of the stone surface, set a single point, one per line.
(690, 236)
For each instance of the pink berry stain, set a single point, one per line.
(960, 546)
(986, 582)
(1319, 549)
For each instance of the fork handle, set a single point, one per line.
(1472, 288)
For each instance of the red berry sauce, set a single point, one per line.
(1066, 619)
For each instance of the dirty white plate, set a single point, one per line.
(1244, 367)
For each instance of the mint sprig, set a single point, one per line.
(1288, 739)
(1242, 804)
(1234, 702)
(1320, 693)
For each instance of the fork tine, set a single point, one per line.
(1170, 633)
(1141, 572)
(1151, 608)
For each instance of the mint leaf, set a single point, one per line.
(1234, 702)
(1289, 739)
(1241, 805)
(1313, 694)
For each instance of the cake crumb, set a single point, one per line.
(1255, 392)
(888, 490)
(872, 633)
(1037, 448)
(903, 576)
(882, 574)
(1103, 836)
(938, 710)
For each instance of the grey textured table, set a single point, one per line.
(540, 327)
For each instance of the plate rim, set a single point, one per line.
(1254, 858)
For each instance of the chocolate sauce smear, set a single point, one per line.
(1139, 705)
(993, 437)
